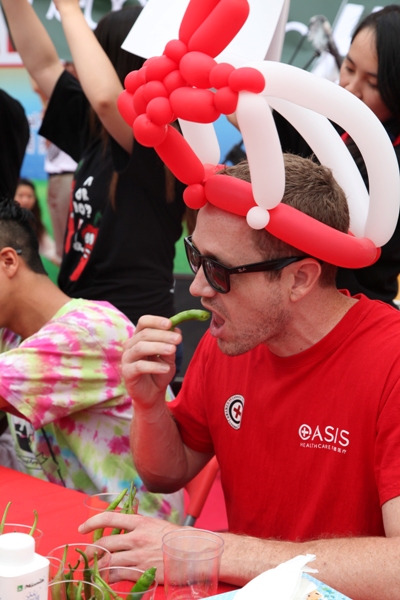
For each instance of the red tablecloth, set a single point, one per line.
(60, 510)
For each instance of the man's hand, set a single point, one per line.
(140, 547)
(148, 361)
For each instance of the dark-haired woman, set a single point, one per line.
(370, 71)
(26, 197)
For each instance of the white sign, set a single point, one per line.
(261, 36)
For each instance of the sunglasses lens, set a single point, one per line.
(216, 276)
(193, 257)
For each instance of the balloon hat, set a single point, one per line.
(187, 83)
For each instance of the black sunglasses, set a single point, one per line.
(218, 275)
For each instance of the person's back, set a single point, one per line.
(14, 138)
(60, 376)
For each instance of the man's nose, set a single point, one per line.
(200, 286)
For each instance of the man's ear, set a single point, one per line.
(9, 261)
(303, 278)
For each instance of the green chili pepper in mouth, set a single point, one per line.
(188, 315)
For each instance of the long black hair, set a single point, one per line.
(386, 25)
(111, 32)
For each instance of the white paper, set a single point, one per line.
(262, 34)
(285, 582)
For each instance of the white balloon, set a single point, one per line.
(203, 141)
(331, 151)
(263, 149)
(345, 109)
(257, 217)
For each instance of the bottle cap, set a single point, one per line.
(16, 549)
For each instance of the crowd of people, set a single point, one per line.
(294, 387)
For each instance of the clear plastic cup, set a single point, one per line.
(192, 559)
(64, 590)
(98, 503)
(18, 527)
(122, 580)
(73, 562)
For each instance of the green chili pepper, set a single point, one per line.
(108, 592)
(78, 592)
(35, 521)
(187, 315)
(98, 533)
(144, 582)
(87, 574)
(3, 520)
(127, 508)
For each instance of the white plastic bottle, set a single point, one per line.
(24, 575)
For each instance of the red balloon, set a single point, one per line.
(159, 111)
(125, 107)
(175, 50)
(139, 101)
(148, 133)
(174, 81)
(230, 193)
(226, 100)
(134, 80)
(154, 89)
(220, 27)
(194, 196)
(196, 12)
(180, 158)
(194, 105)
(219, 75)
(159, 68)
(293, 226)
(247, 79)
(195, 67)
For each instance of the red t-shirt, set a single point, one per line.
(308, 445)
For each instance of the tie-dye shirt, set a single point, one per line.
(66, 381)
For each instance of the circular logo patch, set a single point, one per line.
(234, 411)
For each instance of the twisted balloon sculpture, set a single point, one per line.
(188, 84)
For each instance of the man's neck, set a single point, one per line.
(312, 322)
(40, 300)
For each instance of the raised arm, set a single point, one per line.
(148, 365)
(96, 73)
(33, 43)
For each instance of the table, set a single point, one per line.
(60, 510)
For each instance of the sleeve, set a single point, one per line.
(57, 372)
(66, 120)
(14, 137)
(387, 450)
(189, 407)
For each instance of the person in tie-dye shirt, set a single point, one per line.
(60, 383)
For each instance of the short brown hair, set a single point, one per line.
(312, 189)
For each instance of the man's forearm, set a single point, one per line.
(158, 450)
(362, 568)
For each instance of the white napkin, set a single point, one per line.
(285, 582)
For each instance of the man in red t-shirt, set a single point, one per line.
(295, 388)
